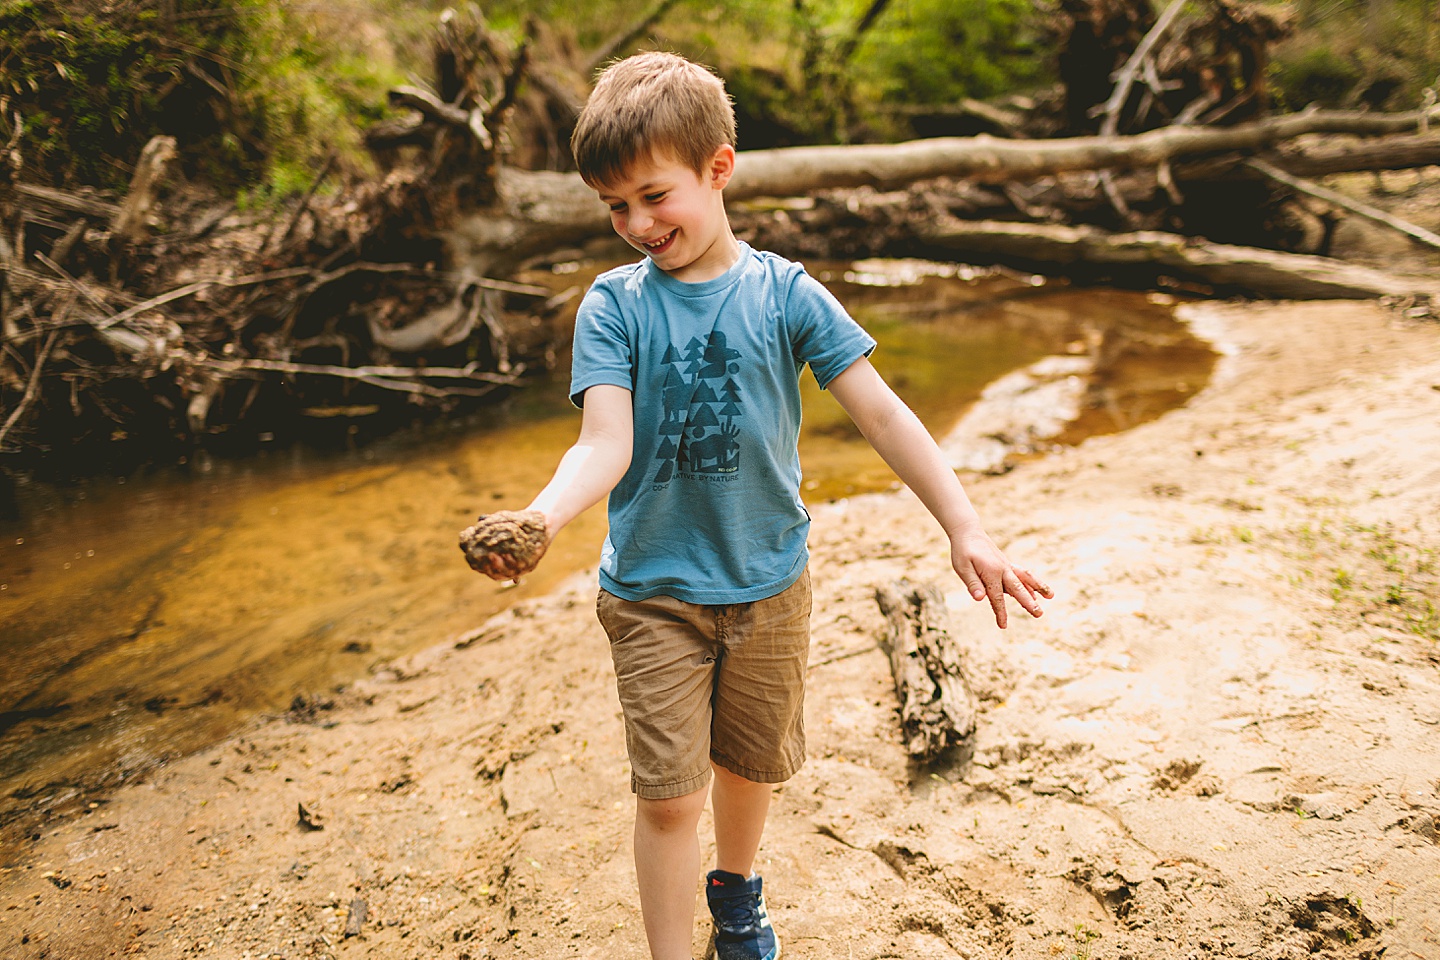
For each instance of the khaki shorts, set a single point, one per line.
(701, 683)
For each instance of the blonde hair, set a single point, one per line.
(649, 104)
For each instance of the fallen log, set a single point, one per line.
(1073, 197)
(65, 203)
(937, 708)
(1224, 267)
(538, 210)
(795, 170)
(1318, 160)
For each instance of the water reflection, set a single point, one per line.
(143, 620)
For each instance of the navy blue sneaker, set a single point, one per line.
(742, 927)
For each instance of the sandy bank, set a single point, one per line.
(1222, 740)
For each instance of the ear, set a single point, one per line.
(721, 167)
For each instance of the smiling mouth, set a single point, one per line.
(662, 243)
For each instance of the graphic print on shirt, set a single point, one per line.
(701, 401)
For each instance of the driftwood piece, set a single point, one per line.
(132, 222)
(1029, 246)
(937, 708)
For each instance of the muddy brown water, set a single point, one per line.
(142, 620)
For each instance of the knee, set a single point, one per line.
(672, 814)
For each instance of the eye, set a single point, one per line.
(654, 197)
(617, 208)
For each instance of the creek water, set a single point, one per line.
(143, 618)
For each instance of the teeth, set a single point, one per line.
(659, 243)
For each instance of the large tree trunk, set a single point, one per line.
(537, 210)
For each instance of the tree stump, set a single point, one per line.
(937, 707)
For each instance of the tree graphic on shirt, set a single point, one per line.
(700, 401)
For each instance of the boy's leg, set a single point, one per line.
(740, 807)
(667, 863)
(665, 654)
(757, 739)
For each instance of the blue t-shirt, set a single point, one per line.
(709, 510)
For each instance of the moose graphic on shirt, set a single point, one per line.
(701, 400)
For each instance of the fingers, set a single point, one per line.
(499, 567)
(973, 583)
(1023, 586)
(995, 590)
(994, 582)
(1034, 584)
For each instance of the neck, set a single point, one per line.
(720, 256)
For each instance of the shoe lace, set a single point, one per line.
(738, 912)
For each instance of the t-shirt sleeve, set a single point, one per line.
(603, 352)
(822, 332)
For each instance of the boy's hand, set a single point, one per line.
(505, 545)
(987, 574)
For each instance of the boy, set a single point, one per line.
(687, 369)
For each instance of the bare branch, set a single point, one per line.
(403, 379)
(1125, 76)
(304, 201)
(190, 289)
(469, 372)
(1414, 232)
(430, 106)
(846, 51)
(31, 388)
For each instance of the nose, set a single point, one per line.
(640, 222)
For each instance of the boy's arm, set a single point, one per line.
(902, 440)
(595, 463)
(587, 472)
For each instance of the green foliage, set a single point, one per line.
(1314, 75)
(803, 72)
(308, 83)
(938, 51)
(1346, 53)
(1084, 939)
(254, 91)
(87, 88)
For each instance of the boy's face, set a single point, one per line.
(675, 216)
